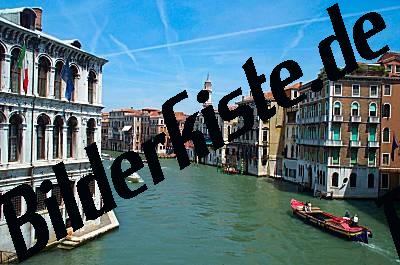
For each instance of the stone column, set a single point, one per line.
(26, 146)
(4, 143)
(64, 142)
(5, 73)
(51, 82)
(49, 142)
(36, 79)
(76, 143)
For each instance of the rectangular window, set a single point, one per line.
(372, 133)
(353, 180)
(371, 158)
(335, 156)
(336, 132)
(397, 68)
(353, 159)
(356, 90)
(16, 202)
(373, 91)
(385, 181)
(385, 159)
(371, 181)
(389, 68)
(338, 89)
(57, 193)
(387, 91)
(354, 133)
(40, 197)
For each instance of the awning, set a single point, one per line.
(126, 128)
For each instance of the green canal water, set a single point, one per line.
(200, 216)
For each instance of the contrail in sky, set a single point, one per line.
(243, 32)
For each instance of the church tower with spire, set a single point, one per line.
(208, 87)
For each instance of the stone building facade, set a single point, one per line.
(40, 128)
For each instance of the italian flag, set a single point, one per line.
(23, 64)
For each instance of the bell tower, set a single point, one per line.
(208, 88)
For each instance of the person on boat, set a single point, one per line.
(346, 215)
(354, 221)
(307, 207)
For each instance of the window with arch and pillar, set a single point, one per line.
(335, 179)
(355, 109)
(92, 80)
(58, 80)
(58, 137)
(75, 77)
(91, 127)
(337, 108)
(15, 71)
(72, 126)
(372, 110)
(41, 141)
(15, 137)
(43, 76)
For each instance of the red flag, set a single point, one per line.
(26, 80)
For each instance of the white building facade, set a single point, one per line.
(41, 128)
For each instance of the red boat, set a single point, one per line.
(336, 225)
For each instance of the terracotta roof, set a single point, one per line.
(389, 56)
(294, 86)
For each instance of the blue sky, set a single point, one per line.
(157, 48)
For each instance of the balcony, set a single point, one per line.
(373, 144)
(356, 119)
(373, 119)
(355, 143)
(337, 118)
(333, 143)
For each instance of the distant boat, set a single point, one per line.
(336, 225)
(135, 178)
(105, 156)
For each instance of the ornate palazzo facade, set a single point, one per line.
(40, 127)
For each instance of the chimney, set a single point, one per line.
(38, 21)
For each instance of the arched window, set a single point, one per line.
(353, 180)
(42, 122)
(386, 135)
(372, 110)
(335, 179)
(71, 136)
(386, 109)
(337, 109)
(15, 71)
(355, 107)
(91, 125)
(15, 138)
(58, 80)
(58, 137)
(91, 87)
(75, 76)
(43, 71)
(371, 181)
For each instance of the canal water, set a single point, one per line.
(201, 216)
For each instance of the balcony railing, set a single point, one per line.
(373, 144)
(337, 118)
(356, 119)
(373, 119)
(333, 143)
(355, 143)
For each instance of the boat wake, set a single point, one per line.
(380, 251)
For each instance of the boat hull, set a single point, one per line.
(333, 225)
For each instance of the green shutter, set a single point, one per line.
(372, 133)
(354, 133)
